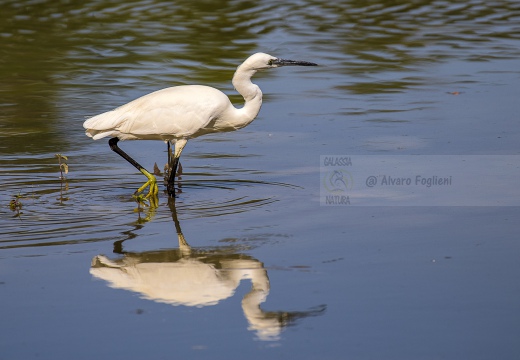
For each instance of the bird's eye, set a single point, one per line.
(270, 62)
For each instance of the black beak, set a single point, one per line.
(284, 62)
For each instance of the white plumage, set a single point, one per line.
(168, 114)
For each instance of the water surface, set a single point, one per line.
(285, 277)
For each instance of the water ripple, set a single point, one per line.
(96, 205)
(63, 61)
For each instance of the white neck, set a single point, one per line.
(251, 93)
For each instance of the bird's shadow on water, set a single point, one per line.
(197, 277)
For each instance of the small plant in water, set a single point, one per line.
(16, 205)
(64, 168)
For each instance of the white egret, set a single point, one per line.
(180, 113)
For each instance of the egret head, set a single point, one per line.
(260, 61)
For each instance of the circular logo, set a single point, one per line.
(337, 181)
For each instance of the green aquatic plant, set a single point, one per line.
(16, 205)
(64, 167)
(63, 190)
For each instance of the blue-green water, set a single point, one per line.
(270, 273)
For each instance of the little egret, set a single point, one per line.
(180, 113)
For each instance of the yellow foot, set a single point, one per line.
(153, 191)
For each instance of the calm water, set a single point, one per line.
(245, 263)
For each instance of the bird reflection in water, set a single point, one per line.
(197, 277)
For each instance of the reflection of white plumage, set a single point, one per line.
(191, 281)
(180, 113)
(188, 281)
(193, 277)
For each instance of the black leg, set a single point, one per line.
(173, 163)
(169, 154)
(171, 179)
(152, 182)
(113, 145)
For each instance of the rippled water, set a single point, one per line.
(420, 77)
